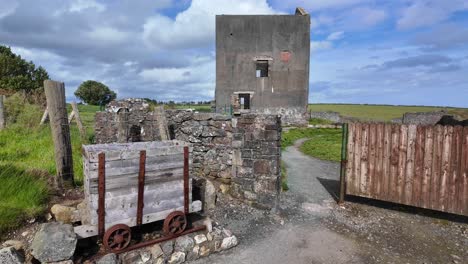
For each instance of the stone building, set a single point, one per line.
(262, 64)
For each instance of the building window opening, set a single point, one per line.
(244, 101)
(135, 134)
(262, 68)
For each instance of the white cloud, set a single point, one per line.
(201, 70)
(315, 5)
(195, 26)
(320, 45)
(108, 35)
(429, 12)
(81, 5)
(368, 17)
(7, 7)
(335, 35)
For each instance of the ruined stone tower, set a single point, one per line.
(262, 64)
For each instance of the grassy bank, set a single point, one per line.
(380, 112)
(322, 143)
(27, 160)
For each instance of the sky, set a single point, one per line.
(409, 52)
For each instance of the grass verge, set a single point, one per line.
(322, 143)
(23, 196)
(27, 150)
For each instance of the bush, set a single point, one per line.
(21, 113)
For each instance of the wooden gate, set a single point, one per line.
(422, 166)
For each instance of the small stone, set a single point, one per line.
(229, 242)
(25, 233)
(48, 216)
(226, 232)
(18, 245)
(54, 242)
(65, 214)
(177, 258)
(224, 188)
(10, 255)
(156, 251)
(193, 254)
(184, 243)
(200, 239)
(62, 262)
(108, 259)
(160, 260)
(167, 247)
(204, 251)
(209, 236)
(145, 256)
(210, 196)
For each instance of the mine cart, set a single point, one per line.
(130, 184)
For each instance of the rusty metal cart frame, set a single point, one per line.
(117, 238)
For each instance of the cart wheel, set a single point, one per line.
(175, 223)
(117, 237)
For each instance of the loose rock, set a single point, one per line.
(229, 242)
(54, 242)
(18, 245)
(10, 255)
(200, 239)
(65, 214)
(184, 244)
(177, 258)
(108, 259)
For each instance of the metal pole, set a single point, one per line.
(344, 144)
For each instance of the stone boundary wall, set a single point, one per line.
(257, 159)
(424, 118)
(330, 116)
(239, 155)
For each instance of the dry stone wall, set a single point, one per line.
(240, 152)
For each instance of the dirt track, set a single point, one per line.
(311, 228)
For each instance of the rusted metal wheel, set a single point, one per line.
(117, 237)
(175, 223)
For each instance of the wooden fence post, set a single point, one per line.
(2, 113)
(55, 95)
(81, 128)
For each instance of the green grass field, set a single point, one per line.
(380, 112)
(27, 159)
(322, 143)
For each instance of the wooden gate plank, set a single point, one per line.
(427, 173)
(402, 163)
(463, 199)
(445, 171)
(371, 180)
(357, 159)
(386, 161)
(395, 150)
(364, 160)
(418, 165)
(436, 166)
(456, 166)
(350, 177)
(378, 183)
(410, 157)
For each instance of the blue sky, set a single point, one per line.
(412, 52)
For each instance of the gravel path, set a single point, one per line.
(311, 228)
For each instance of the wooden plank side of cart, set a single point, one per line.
(163, 184)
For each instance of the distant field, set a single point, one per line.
(380, 112)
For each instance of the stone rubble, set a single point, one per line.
(54, 242)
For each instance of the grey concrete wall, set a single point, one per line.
(240, 39)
